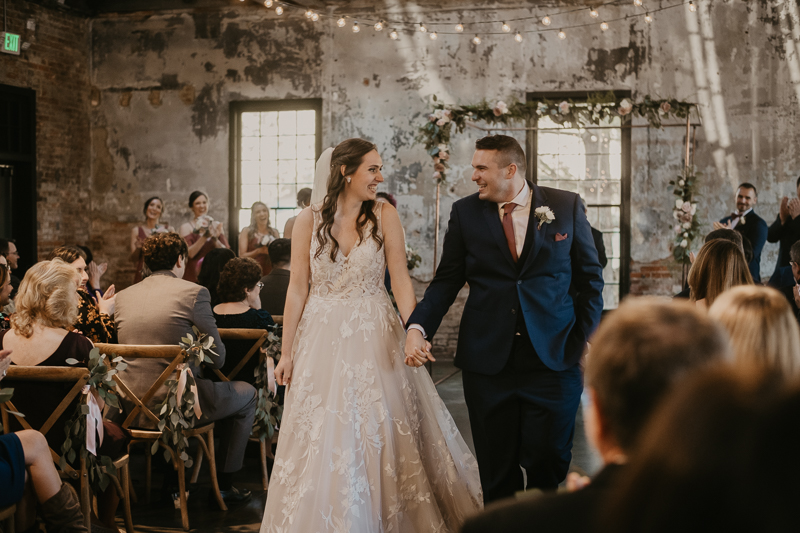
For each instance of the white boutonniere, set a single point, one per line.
(742, 220)
(545, 215)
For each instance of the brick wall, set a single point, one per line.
(661, 277)
(56, 66)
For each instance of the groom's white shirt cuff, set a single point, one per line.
(420, 329)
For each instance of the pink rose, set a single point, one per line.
(563, 107)
(432, 118)
(441, 122)
(625, 107)
(444, 156)
(438, 167)
(437, 175)
(665, 107)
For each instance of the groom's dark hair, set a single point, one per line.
(507, 148)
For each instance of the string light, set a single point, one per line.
(309, 13)
(692, 7)
(518, 37)
(267, 3)
(459, 28)
(506, 28)
(562, 35)
(279, 10)
(434, 36)
(393, 35)
(476, 40)
(594, 14)
(546, 20)
(378, 26)
(341, 22)
(421, 28)
(604, 26)
(637, 3)
(648, 18)
(356, 29)
(314, 17)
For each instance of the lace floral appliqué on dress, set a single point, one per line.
(367, 445)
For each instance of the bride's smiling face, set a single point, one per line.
(364, 181)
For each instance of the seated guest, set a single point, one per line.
(94, 311)
(239, 288)
(786, 231)
(5, 292)
(712, 460)
(211, 268)
(724, 234)
(94, 271)
(162, 309)
(25, 457)
(638, 355)
(276, 283)
(8, 249)
(719, 266)
(763, 330)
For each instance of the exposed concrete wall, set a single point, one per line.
(56, 66)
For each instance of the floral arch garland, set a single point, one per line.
(439, 126)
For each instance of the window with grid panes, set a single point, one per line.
(278, 144)
(589, 161)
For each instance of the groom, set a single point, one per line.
(535, 296)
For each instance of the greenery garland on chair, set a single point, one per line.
(268, 409)
(436, 132)
(178, 414)
(102, 369)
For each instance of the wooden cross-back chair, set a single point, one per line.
(7, 518)
(78, 376)
(204, 434)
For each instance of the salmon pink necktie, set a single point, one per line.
(508, 229)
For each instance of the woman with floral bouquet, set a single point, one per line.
(254, 239)
(202, 234)
(153, 209)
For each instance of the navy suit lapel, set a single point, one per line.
(492, 216)
(534, 234)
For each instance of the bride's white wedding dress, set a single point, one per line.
(366, 444)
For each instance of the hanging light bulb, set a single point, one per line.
(604, 26)
(476, 40)
(378, 26)
(562, 35)
(421, 28)
(309, 13)
(594, 14)
(648, 18)
(637, 3)
(546, 20)
(506, 28)
(315, 17)
(692, 7)
(459, 27)
(267, 3)
(356, 29)
(393, 35)
(518, 37)
(279, 10)
(341, 22)
(434, 36)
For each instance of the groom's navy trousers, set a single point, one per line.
(523, 330)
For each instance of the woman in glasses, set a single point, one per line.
(238, 290)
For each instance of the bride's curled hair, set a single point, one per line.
(350, 154)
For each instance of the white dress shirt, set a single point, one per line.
(735, 222)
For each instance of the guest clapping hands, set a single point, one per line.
(202, 234)
(153, 209)
(255, 238)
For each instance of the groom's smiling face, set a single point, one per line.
(496, 183)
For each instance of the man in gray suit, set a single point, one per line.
(162, 309)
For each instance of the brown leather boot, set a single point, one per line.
(62, 512)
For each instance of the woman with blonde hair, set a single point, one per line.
(719, 266)
(763, 331)
(254, 239)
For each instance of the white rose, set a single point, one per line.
(675, 214)
(679, 203)
(684, 243)
(550, 215)
(685, 234)
(441, 122)
(687, 225)
(442, 147)
(694, 209)
(681, 183)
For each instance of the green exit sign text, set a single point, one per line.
(9, 43)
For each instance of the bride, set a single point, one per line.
(366, 444)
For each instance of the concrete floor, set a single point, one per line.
(206, 517)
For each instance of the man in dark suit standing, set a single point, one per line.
(535, 298)
(749, 224)
(640, 353)
(786, 231)
(276, 283)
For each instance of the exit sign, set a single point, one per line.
(9, 43)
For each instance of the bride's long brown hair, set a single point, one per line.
(349, 153)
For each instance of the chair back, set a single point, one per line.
(257, 336)
(79, 376)
(171, 353)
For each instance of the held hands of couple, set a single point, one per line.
(418, 350)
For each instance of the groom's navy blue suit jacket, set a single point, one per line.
(557, 284)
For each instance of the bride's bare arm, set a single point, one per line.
(298, 292)
(395, 242)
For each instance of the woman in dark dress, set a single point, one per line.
(238, 290)
(202, 234)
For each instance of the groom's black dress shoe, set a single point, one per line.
(234, 495)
